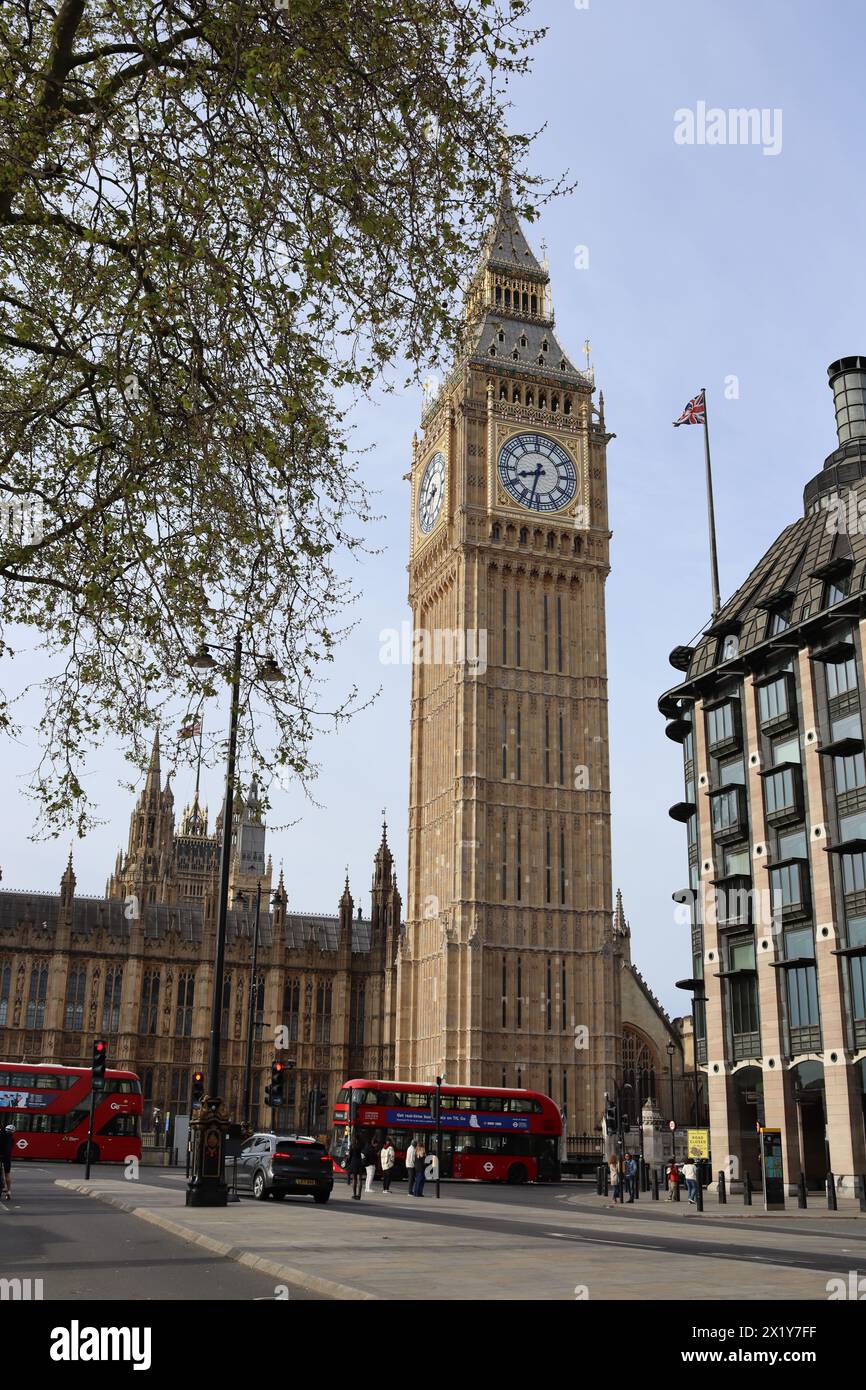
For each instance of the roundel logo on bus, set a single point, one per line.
(488, 1167)
(21, 1143)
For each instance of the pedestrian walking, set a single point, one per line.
(386, 1158)
(673, 1179)
(356, 1167)
(420, 1168)
(410, 1166)
(369, 1164)
(690, 1173)
(155, 1119)
(7, 1134)
(630, 1175)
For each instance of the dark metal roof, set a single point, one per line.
(160, 920)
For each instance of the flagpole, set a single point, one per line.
(711, 515)
(198, 766)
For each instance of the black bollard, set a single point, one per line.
(606, 1188)
(862, 1183)
(723, 1191)
(747, 1191)
(831, 1193)
(801, 1191)
(599, 1180)
(699, 1187)
(677, 1188)
(655, 1185)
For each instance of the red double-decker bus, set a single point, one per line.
(488, 1133)
(50, 1109)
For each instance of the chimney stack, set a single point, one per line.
(848, 384)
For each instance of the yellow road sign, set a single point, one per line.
(698, 1143)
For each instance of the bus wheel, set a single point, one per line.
(517, 1173)
(81, 1156)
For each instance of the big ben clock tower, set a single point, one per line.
(506, 970)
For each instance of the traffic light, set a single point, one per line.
(100, 1057)
(610, 1118)
(197, 1088)
(274, 1092)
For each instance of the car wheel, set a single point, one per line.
(81, 1156)
(320, 1197)
(278, 1196)
(260, 1191)
(517, 1173)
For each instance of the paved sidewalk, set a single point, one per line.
(394, 1247)
(735, 1209)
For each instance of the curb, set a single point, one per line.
(287, 1273)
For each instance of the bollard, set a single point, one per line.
(655, 1185)
(747, 1191)
(606, 1188)
(831, 1193)
(677, 1189)
(699, 1187)
(862, 1184)
(645, 1175)
(722, 1189)
(636, 1183)
(801, 1191)
(599, 1181)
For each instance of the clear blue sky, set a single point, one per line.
(704, 263)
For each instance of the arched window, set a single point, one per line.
(530, 396)
(515, 395)
(567, 410)
(554, 403)
(76, 986)
(534, 304)
(148, 1016)
(542, 400)
(498, 294)
(183, 1007)
(640, 1069)
(503, 391)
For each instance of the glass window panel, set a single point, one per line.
(850, 772)
(799, 943)
(791, 845)
(737, 862)
(734, 771)
(848, 727)
(853, 827)
(787, 750)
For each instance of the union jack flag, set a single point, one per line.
(695, 412)
(190, 730)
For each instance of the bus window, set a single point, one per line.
(519, 1105)
(462, 1103)
(490, 1104)
(417, 1101)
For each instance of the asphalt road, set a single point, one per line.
(84, 1250)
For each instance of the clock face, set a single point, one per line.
(537, 472)
(431, 493)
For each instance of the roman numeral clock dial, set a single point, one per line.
(537, 473)
(431, 493)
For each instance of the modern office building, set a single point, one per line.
(769, 715)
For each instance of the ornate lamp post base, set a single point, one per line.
(207, 1187)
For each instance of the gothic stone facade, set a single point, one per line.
(136, 968)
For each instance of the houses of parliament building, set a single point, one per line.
(513, 965)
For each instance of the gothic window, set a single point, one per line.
(559, 633)
(183, 1006)
(533, 304)
(111, 999)
(562, 364)
(530, 396)
(562, 868)
(504, 741)
(518, 876)
(549, 1012)
(504, 992)
(292, 1008)
(227, 1003)
(147, 1085)
(524, 538)
(5, 990)
(542, 399)
(545, 626)
(519, 744)
(501, 336)
(504, 874)
(323, 1012)
(357, 1014)
(148, 1017)
(561, 753)
(515, 395)
(37, 995)
(492, 350)
(547, 746)
(544, 346)
(541, 364)
(498, 294)
(523, 337)
(568, 406)
(516, 356)
(554, 403)
(508, 299)
(496, 532)
(639, 1066)
(503, 391)
(519, 991)
(562, 992)
(547, 874)
(504, 627)
(524, 304)
(565, 1090)
(259, 1007)
(523, 533)
(76, 990)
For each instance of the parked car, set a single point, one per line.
(270, 1165)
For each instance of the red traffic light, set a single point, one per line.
(278, 1066)
(99, 1047)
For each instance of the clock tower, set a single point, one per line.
(506, 970)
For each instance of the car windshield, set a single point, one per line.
(294, 1146)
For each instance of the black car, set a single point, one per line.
(270, 1165)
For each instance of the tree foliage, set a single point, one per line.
(220, 221)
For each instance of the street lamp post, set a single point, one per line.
(671, 1049)
(207, 1186)
(251, 1020)
(439, 1081)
